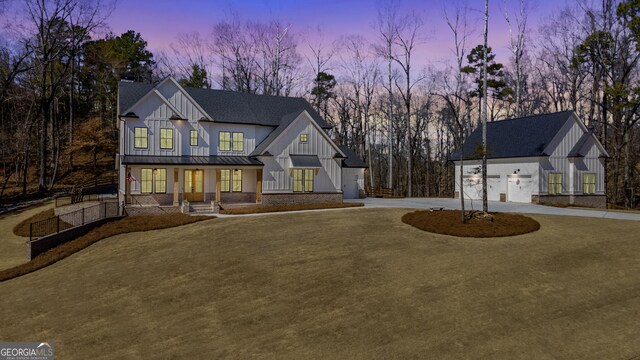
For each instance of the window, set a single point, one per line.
(589, 183)
(304, 138)
(146, 181)
(224, 140)
(161, 181)
(166, 138)
(238, 141)
(193, 138)
(231, 180)
(237, 181)
(140, 138)
(308, 180)
(303, 180)
(555, 183)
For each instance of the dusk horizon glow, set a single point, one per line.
(159, 22)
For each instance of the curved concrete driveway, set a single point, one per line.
(454, 204)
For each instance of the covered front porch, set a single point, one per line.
(169, 183)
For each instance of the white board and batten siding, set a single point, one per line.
(154, 113)
(277, 177)
(572, 168)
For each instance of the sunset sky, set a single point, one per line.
(160, 21)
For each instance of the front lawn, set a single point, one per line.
(338, 284)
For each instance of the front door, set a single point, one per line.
(194, 185)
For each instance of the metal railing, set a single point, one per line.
(73, 219)
(70, 200)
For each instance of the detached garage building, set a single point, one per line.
(550, 158)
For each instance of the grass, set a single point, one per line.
(449, 222)
(338, 284)
(257, 209)
(121, 226)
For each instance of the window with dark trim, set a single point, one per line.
(160, 181)
(238, 141)
(303, 180)
(588, 183)
(224, 143)
(304, 138)
(146, 181)
(555, 183)
(166, 138)
(140, 138)
(231, 180)
(193, 137)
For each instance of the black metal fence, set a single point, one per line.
(72, 219)
(74, 199)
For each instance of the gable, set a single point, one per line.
(180, 99)
(287, 133)
(574, 140)
(154, 105)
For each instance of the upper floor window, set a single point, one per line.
(303, 180)
(193, 138)
(231, 141)
(304, 138)
(166, 138)
(589, 183)
(224, 143)
(238, 141)
(140, 138)
(555, 183)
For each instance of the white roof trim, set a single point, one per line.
(164, 100)
(185, 93)
(315, 124)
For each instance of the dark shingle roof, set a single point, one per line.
(284, 123)
(130, 92)
(352, 160)
(231, 106)
(189, 160)
(520, 137)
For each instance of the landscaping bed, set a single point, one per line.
(125, 225)
(449, 222)
(257, 209)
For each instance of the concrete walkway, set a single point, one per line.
(13, 250)
(454, 204)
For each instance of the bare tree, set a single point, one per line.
(387, 26)
(485, 203)
(408, 37)
(517, 43)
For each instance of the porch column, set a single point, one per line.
(259, 186)
(127, 186)
(218, 185)
(176, 186)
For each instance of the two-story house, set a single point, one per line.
(200, 145)
(547, 159)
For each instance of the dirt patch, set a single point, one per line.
(257, 209)
(449, 222)
(126, 225)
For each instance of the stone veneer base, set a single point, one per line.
(300, 198)
(594, 201)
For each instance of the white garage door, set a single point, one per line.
(519, 188)
(352, 182)
(495, 187)
(472, 186)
